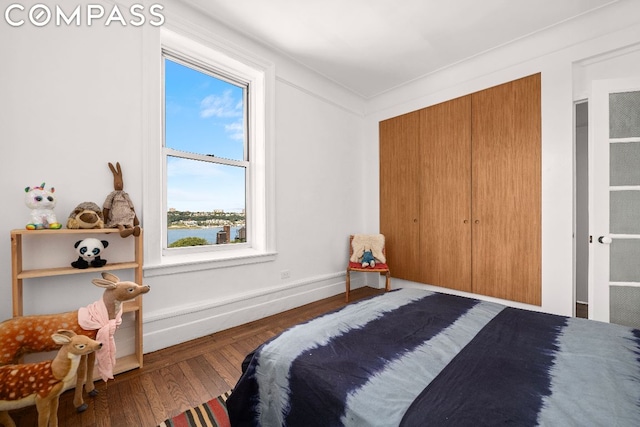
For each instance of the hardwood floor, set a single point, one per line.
(180, 377)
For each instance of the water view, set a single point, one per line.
(208, 233)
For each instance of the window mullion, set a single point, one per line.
(204, 158)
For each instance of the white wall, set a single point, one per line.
(72, 101)
(553, 53)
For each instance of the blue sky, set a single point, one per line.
(203, 115)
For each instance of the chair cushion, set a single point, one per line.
(358, 266)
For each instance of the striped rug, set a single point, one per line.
(210, 414)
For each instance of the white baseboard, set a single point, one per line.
(164, 328)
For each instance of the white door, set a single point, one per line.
(614, 261)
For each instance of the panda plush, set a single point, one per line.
(89, 251)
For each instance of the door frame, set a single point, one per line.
(599, 221)
(580, 185)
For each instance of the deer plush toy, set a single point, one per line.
(29, 334)
(42, 383)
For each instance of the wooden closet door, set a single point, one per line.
(399, 194)
(506, 203)
(445, 189)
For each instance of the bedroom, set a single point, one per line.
(77, 103)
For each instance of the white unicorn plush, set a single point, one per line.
(41, 202)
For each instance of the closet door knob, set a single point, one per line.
(477, 221)
(605, 240)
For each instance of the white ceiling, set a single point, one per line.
(371, 46)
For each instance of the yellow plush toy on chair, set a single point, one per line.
(367, 254)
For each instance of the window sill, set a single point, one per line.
(206, 261)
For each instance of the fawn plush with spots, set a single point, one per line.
(31, 334)
(42, 383)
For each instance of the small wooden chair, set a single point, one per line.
(380, 268)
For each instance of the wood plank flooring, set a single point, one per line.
(180, 377)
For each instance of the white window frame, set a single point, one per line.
(214, 71)
(259, 76)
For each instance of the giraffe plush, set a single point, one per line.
(42, 383)
(30, 334)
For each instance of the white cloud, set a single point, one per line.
(235, 130)
(220, 106)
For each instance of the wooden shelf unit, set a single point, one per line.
(123, 364)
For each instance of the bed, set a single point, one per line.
(412, 357)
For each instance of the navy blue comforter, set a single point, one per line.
(417, 358)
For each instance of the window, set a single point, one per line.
(205, 156)
(213, 159)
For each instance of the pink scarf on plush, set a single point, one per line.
(95, 316)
